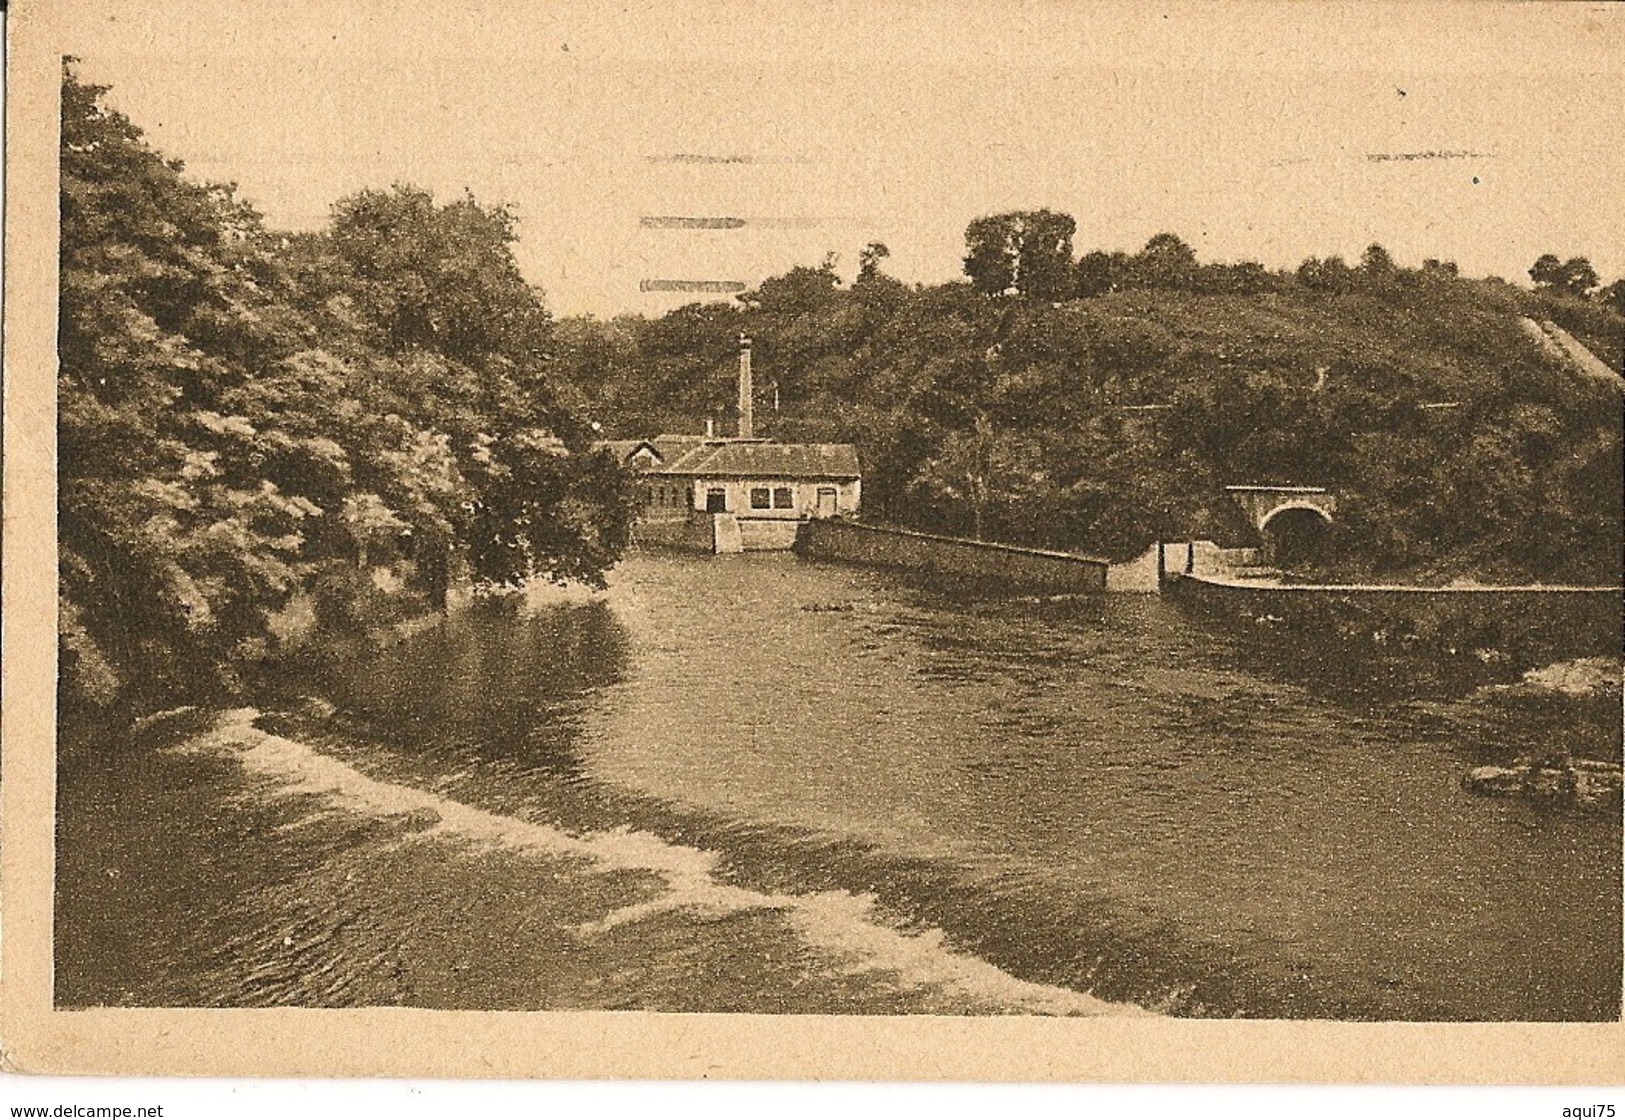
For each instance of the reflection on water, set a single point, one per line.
(1104, 795)
(495, 675)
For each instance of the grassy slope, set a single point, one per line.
(1450, 336)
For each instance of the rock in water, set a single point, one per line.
(1583, 783)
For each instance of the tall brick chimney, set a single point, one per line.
(746, 391)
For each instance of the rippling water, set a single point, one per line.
(766, 784)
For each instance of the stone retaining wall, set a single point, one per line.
(691, 534)
(979, 566)
(1562, 621)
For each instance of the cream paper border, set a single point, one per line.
(428, 1044)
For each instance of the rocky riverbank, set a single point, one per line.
(1571, 709)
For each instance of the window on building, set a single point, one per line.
(783, 498)
(716, 500)
(760, 498)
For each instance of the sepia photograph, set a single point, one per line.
(836, 515)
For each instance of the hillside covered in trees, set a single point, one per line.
(1095, 404)
(246, 416)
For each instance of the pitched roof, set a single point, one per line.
(624, 449)
(664, 448)
(669, 447)
(761, 459)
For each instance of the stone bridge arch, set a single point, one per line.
(1291, 520)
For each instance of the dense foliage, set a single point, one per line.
(248, 419)
(1100, 421)
(1027, 251)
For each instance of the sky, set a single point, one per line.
(1486, 134)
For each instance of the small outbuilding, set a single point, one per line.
(699, 492)
(766, 488)
(741, 493)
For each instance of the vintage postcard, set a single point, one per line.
(932, 540)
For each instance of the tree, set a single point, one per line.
(992, 246)
(467, 343)
(1330, 275)
(1028, 252)
(1574, 276)
(1547, 271)
(1099, 272)
(962, 471)
(798, 291)
(438, 277)
(182, 516)
(1376, 262)
(543, 512)
(1165, 262)
(1580, 278)
(869, 261)
(1614, 296)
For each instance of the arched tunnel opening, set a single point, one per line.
(1295, 537)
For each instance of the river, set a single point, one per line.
(762, 784)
